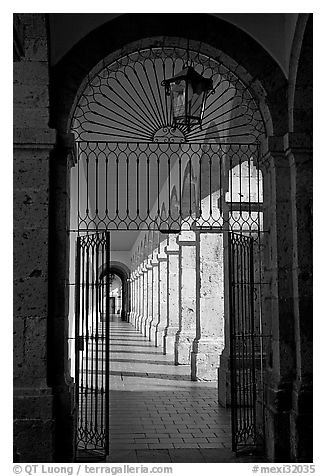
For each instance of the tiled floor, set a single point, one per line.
(156, 413)
(153, 403)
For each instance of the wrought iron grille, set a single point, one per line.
(244, 353)
(124, 101)
(167, 186)
(91, 343)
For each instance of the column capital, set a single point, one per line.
(295, 141)
(66, 146)
(34, 138)
(290, 140)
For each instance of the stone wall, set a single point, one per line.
(33, 142)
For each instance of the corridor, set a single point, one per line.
(156, 412)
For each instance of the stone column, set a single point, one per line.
(140, 295)
(33, 425)
(137, 280)
(163, 293)
(149, 316)
(155, 300)
(59, 219)
(43, 425)
(278, 301)
(145, 299)
(224, 370)
(299, 153)
(172, 252)
(187, 302)
(132, 298)
(209, 341)
(135, 285)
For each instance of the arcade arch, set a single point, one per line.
(268, 79)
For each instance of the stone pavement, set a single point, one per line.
(156, 411)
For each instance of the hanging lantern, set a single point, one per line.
(188, 91)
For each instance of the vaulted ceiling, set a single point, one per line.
(274, 31)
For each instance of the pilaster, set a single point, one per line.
(187, 297)
(155, 300)
(169, 339)
(163, 290)
(209, 341)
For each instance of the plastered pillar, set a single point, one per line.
(187, 302)
(169, 339)
(155, 299)
(149, 314)
(133, 298)
(140, 298)
(209, 341)
(145, 300)
(162, 292)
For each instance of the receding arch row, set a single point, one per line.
(121, 270)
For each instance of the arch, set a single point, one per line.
(121, 270)
(300, 77)
(258, 70)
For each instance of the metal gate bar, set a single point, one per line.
(133, 186)
(91, 343)
(242, 345)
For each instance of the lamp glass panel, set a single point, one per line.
(178, 96)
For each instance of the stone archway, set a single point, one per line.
(121, 270)
(270, 78)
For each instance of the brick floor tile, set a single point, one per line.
(156, 446)
(158, 456)
(186, 455)
(211, 445)
(186, 445)
(195, 440)
(138, 446)
(147, 440)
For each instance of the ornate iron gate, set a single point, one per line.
(242, 342)
(91, 343)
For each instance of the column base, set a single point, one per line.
(224, 380)
(132, 318)
(169, 340)
(159, 335)
(183, 348)
(139, 322)
(153, 333)
(66, 422)
(301, 424)
(277, 424)
(205, 360)
(148, 325)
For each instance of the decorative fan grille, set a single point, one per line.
(125, 102)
